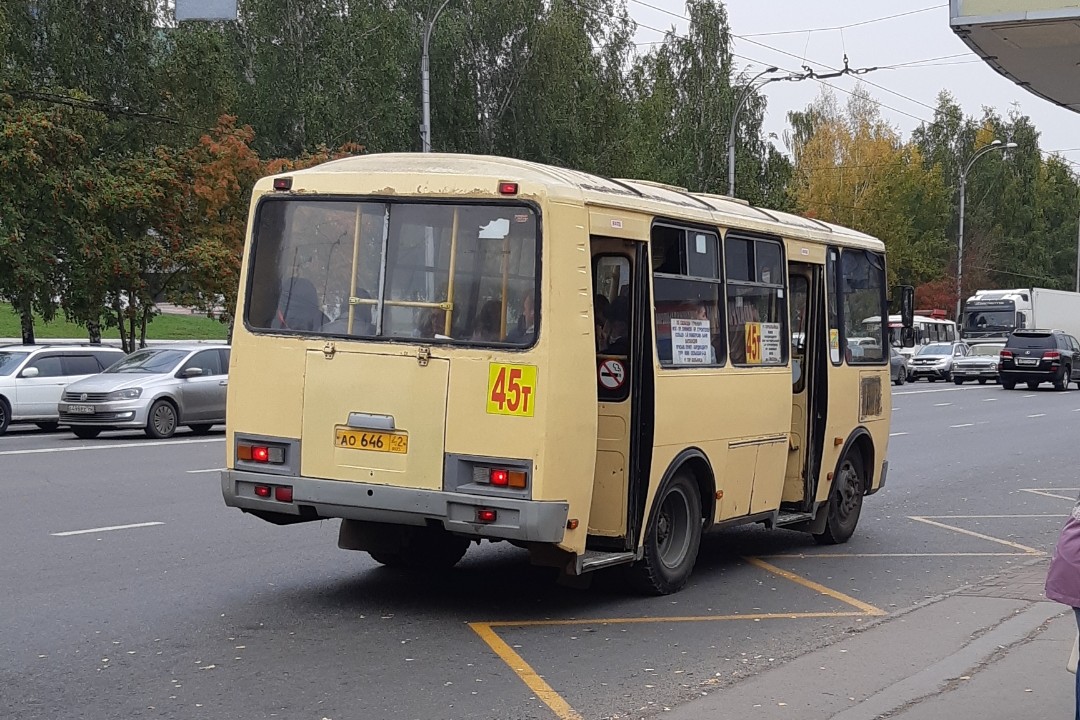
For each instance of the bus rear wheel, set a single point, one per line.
(426, 549)
(845, 502)
(672, 539)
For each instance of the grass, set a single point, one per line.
(163, 327)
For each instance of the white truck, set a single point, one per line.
(990, 315)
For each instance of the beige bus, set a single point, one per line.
(444, 349)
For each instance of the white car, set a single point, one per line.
(33, 377)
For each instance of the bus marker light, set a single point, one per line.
(243, 452)
(838, 441)
(260, 454)
(516, 479)
(262, 491)
(283, 183)
(283, 493)
(572, 524)
(486, 516)
(499, 478)
(508, 188)
(719, 494)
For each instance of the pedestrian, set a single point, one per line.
(1063, 578)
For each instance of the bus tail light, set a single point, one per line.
(508, 188)
(262, 491)
(485, 515)
(499, 478)
(283, 493)
(263, 454)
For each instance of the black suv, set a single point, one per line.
(1038, 356)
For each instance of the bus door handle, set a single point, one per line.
(370, 421)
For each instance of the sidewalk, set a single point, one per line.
(993, 651)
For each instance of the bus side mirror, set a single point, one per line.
(907, 306)
(907, 337)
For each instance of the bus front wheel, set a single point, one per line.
(672, 539)
(845, 502)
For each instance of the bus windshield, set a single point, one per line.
(447, 273)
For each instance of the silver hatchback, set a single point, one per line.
(156, 389)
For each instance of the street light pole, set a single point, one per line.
(734, 124)
(995, 145)
(425, 78)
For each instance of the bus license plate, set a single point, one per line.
(373, 441)
(81, 409)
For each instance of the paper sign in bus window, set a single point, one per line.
(753, 343)
(691, 342)
(771, 350)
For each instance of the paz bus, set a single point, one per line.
(444, 349)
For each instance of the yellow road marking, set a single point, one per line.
(800, 580)
(524, 671)
(1027, 550)
(675, 619)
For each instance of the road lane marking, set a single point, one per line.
(105, 529)
(674, 619)
(952, 389)
(523, 670)
(942, 404)
(1045, 492)
(814, 556)
(1027, 396)
(1037, 415)
(989, 399)
(110, 446)
(1008, 543)
(897, 434)
(835, 594)
(563, 710)
(207, 470)
(988, 517)
(963, 425)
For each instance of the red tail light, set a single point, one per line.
(260, 454)
(283, 493)
(1051, 355)
(1006, 354)
(486, 516)
(500, 478)
(508, 188)
(262, 491)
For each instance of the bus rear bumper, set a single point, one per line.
(515, 519)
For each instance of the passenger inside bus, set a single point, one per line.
(362, 324)
(488, 322)
(431, 323)
(526, 326)
(601, 307)
(298, 306)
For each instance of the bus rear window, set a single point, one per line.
(445, 273)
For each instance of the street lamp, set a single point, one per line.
(734, 123)
(425, 78)
(995, 145)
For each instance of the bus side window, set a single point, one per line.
(686, 291)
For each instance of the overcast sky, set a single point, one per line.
(915, 37)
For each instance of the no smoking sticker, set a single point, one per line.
(612, 374)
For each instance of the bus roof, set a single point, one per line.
(459, 174)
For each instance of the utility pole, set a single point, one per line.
(425, 78)
(750, 87)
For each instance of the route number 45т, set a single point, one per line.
(511, 389)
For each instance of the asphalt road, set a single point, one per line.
(202, 612)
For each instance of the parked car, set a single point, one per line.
(156, 389)
(981, 364)
(897, 367)
(935, 361)
(1038, 356)
(32, 378)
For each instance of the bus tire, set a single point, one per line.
(672, 539)
(424, 549)
(845, 501)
